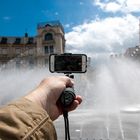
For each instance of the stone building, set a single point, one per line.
(29, 51)
(133, 52)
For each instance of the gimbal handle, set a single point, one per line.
(67, 97)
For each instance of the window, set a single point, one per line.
(31, 51)
(4, 40)
(48, 36)
(30, 40)
(51, 49)
(17, 41)
(46, 62)
(48, 49)
(4, 50)
(18, 50)
(31, 62)
(18, 64)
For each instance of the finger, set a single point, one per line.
(75, 103)
(79, 98)
(68, 81)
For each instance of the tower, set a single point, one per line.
(50, 39)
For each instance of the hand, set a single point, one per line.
(48, 93)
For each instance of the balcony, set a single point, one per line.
(48, 41)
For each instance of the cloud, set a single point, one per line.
(133, 5)
(113, 7)
(103, 36)
(124, 6)
(67, 25)
(7, 18)
(56, 13)
(81, 3)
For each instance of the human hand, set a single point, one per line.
(48, 93)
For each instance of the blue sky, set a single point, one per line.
(16, 16)
(91, 26)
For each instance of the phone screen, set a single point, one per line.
(69, 63)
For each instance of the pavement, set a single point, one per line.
(87, 124)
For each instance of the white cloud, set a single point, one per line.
(113, 34)
(7, 18)
(67, 25)
(125, 6)
(81, 3)
(56, 13)
(133, 5)
(113, 7)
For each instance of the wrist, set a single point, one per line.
(37, 97)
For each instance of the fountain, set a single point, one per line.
(111, 101)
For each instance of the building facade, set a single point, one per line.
(30, 51)
(133, 52)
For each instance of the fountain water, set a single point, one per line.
(108, 92)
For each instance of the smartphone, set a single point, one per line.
(68, 63)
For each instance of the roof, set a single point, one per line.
(55, 23)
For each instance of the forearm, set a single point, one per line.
(24, 119)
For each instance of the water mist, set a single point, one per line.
(111, 100)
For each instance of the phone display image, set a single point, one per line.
(68, 63)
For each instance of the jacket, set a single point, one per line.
(25, 120)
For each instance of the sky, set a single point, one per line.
(94, 27)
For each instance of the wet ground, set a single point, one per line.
(90, 125)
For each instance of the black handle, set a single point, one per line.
(67, 97)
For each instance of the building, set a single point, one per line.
(133, 52)
(33, 50)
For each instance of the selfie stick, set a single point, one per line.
(66, 99)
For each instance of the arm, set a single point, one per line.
(32, 116)
(23, 120)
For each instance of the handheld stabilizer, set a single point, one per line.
(67, 64)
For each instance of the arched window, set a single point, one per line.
(48, 36)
